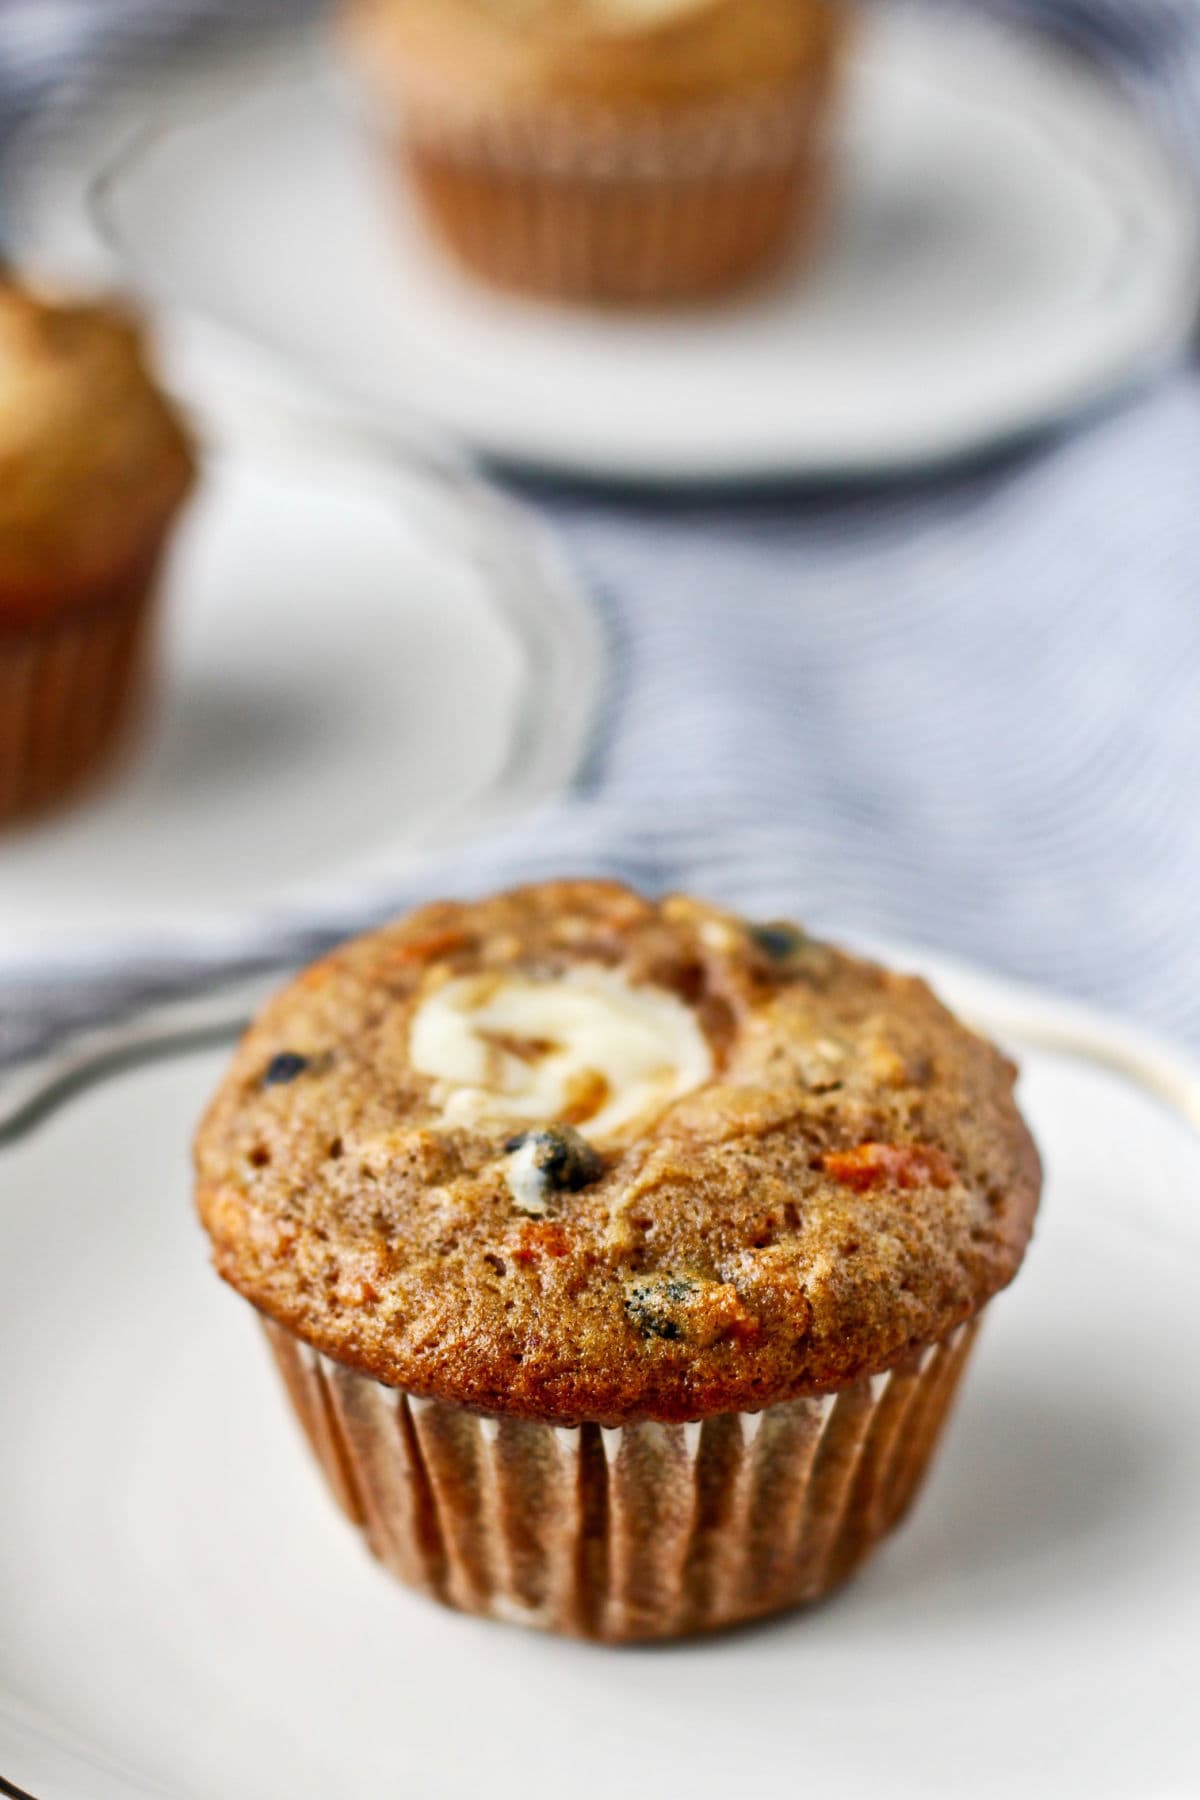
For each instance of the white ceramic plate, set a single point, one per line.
(362, 663)
(1010, 247)
(183, 1614)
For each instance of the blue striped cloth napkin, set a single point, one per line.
(962, 711)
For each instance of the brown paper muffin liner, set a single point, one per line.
(599, 207)
(67, 688)
(644, 1531)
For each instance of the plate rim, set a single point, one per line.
(567, 655)
(1084, 394)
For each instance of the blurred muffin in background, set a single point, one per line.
(631, 151)
(94, 465)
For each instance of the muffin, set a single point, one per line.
(608, 150)
(94, 465)
(620, 1258)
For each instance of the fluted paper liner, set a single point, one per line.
(67, 687)
(644, 1531)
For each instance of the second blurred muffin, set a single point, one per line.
(608, 150)
(94, 464)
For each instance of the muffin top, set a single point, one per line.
(93, 459)
(567, 1153)
(610, 52)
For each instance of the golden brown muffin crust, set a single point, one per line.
(93, 458)
(853, 1180)
(608, 53)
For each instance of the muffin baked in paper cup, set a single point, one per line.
(69, 686)
(604, 152)
(608, 208)
(97, 463)
(641, 1531)
(680, 1374)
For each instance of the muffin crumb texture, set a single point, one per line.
(567, 1154)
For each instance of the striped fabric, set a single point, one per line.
(964, 712)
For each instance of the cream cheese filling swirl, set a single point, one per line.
(586, 1048)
